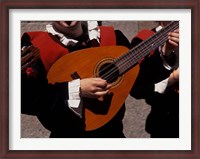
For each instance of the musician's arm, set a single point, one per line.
(169, 53)
(170, 50)
(38, 96)
(172, 80)
(75, 86)
(36, 92)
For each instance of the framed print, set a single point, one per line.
(19, 16)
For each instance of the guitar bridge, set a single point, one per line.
(75, 75)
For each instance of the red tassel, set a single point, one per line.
(30, 72)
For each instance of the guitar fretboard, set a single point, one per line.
(128, 60)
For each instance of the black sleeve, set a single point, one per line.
(25, 40)
(151, 71)
(121, 39)
(37, 95)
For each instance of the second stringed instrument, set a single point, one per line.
(116, 64)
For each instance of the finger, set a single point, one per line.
(26, 57)
(101, 93)
(174, 38)
(173, 43)
(100, 83)
(176, 31)
(101, 89)
(109, 86)
(174, 34)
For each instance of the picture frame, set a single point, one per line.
(193, 5)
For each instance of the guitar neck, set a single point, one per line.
(131, 58)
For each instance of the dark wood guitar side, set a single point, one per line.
(116, 64)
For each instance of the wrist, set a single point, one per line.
(169, 59)
(175, 76)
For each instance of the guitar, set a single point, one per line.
(116, 64)
(29, 56)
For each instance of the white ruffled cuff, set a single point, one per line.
(74, 93)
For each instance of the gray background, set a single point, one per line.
(136, 110)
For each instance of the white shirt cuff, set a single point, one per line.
(161, 86)
(74, 93)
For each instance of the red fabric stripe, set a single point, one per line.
(108, 36)
(50, 51)
(144, 34)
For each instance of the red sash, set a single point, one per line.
(51, 51)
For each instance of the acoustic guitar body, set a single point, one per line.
(95, 62)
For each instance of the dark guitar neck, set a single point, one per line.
(128, 60)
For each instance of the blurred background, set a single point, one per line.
(136, 110)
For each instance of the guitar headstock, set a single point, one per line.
(29, 56)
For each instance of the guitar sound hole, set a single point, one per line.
(109, 72)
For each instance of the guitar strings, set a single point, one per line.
(124, 64)
(134, 55)
(160, 38)
(123, 60)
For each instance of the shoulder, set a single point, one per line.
(122, 39)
